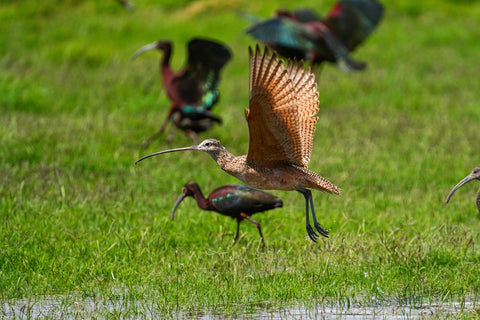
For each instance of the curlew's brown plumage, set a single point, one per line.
(281, 121)
(474, 175)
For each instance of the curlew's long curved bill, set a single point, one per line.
(167, 151)
(465, 180)
(180, 198)
(143, 49)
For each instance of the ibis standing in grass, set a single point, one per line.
(281, 121)
(474, 175)
(236, 201)
(300, 35)
(192, 90)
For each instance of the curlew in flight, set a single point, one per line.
(281, 121)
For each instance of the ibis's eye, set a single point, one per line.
(207, 144)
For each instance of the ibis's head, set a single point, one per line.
(160, 45)
(474, 175)
(188, 190)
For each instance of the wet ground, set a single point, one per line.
(61, 307)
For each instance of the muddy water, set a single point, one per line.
(61, 307)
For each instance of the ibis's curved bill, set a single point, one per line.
(472, 176)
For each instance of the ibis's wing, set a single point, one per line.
(199, 81)
(354, 20)
(283, 104)
(305, 15)
(372, 10)
(282, 32)
(240, 198)
(339, 50)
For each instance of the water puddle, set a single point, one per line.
(70, 307)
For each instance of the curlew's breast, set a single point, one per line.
(284, 178)
(279, 177)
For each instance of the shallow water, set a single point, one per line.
(69, 307)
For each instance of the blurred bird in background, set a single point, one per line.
(303, 35)
(193, 90)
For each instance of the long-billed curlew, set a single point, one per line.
(281, 122)
(236, 201)
(192, 90)
(474, 175)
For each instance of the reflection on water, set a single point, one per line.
(70, 307)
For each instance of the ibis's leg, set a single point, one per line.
(170, 137)
(153, 137)
(310, 231)
(255, 223)
(317, 225)
(478, 200)
(157, 134)
(193, 135)
(317, 70)
(238, 229)
(177, 122)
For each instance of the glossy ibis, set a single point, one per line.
(299, 34)
(193, 90)
(281, 122)
(236, 201)
(474, 175)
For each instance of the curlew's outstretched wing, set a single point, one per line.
(283, 104)
(198, 84)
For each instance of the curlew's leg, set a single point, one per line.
(317, 225)
(255, 223)
(311, 233)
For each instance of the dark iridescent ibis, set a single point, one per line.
(474, 175)
(193, 90)
(236, 201)
(281, 121)
(299, 34)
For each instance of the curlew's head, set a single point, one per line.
(211, 146)
(160, 45)
(474, 175)
(189, 190)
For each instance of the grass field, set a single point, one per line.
(77, 218)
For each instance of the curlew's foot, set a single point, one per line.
(312, 233)
(321, 230)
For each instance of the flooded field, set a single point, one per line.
(61, 307)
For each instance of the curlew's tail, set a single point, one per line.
(317, 182)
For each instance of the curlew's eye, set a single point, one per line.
(208, 144)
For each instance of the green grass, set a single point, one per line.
(78, 218)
